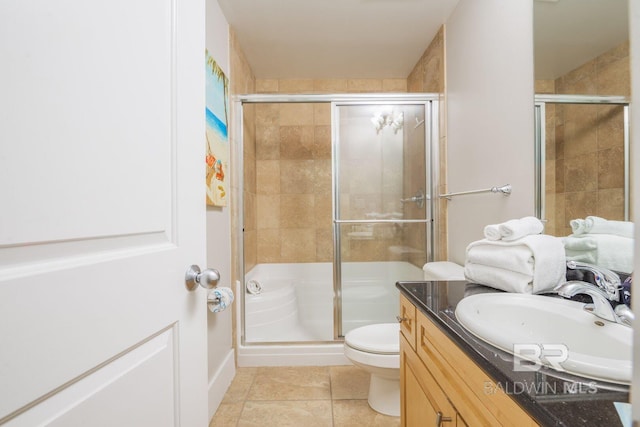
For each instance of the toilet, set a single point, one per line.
(376, 348)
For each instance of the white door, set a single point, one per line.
(101, 213)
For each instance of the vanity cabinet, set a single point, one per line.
(441, 386)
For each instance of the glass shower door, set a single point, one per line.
(382, 210)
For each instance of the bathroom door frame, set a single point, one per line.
(431, 104)
(540, 102)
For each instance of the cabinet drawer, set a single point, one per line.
(459, 376)
(408, 321)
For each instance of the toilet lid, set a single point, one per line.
(381, 338)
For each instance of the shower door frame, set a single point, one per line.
(432, 120)
(540, 102)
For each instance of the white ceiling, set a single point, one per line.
(335, 38)
(568, 33)
(385, 38)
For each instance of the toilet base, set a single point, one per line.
(384, 395)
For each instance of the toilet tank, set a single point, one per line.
(443, 270)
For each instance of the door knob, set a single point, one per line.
(207, 279)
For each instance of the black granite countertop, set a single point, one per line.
(552, 398)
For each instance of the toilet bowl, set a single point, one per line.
(376, 349)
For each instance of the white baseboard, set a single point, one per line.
(292, 355)
(220, 382)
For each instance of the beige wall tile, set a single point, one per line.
(268, 246)
(610, 204)
(268, 177)
(298, 245)
(267, 115)
(268, 208)
(330, 85)
(297, 142)
(267, 86)
(324, 245)
(364, 85)
(296, 114)
(322, 142)
(394, 85)
(610, 168)
(295, 85)
(267, 142)
(297, 176)
(297, 211)
(322, 114)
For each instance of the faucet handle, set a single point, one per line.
(605, 279)
(625, 314)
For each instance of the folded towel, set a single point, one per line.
(605, 250)
(581, 243)
(498, 278)
(518, 258)
(492, 232)
(518, 228)
(531, 264)
(604, 226)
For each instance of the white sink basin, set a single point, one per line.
(595, 348)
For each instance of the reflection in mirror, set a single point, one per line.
(582, 73)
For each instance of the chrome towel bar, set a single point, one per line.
(505, 190)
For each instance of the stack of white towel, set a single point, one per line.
(515, 257)
(606, 243)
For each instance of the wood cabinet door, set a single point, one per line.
(423, 403)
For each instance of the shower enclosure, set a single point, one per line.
(582, 159)
(336, 208)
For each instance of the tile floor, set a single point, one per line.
(301, 396)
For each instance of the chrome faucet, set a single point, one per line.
(605, 279)
(601, 306)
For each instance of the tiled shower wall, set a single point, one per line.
(289, 217)
(584, 143)
(288, 193)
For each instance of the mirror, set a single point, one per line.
(582, 86)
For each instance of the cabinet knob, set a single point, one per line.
(441, 419)
(402, 319)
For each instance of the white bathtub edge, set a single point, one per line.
(292, 355)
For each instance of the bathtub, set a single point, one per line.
(290, 322)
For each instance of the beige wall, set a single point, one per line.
(489, 86)
(428, 76)
(585, 143)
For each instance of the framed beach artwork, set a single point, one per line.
(217, 138)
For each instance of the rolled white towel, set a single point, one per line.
(492, 232)
(605, 226)
(578, 226)
(518, 228)
(540, 257)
